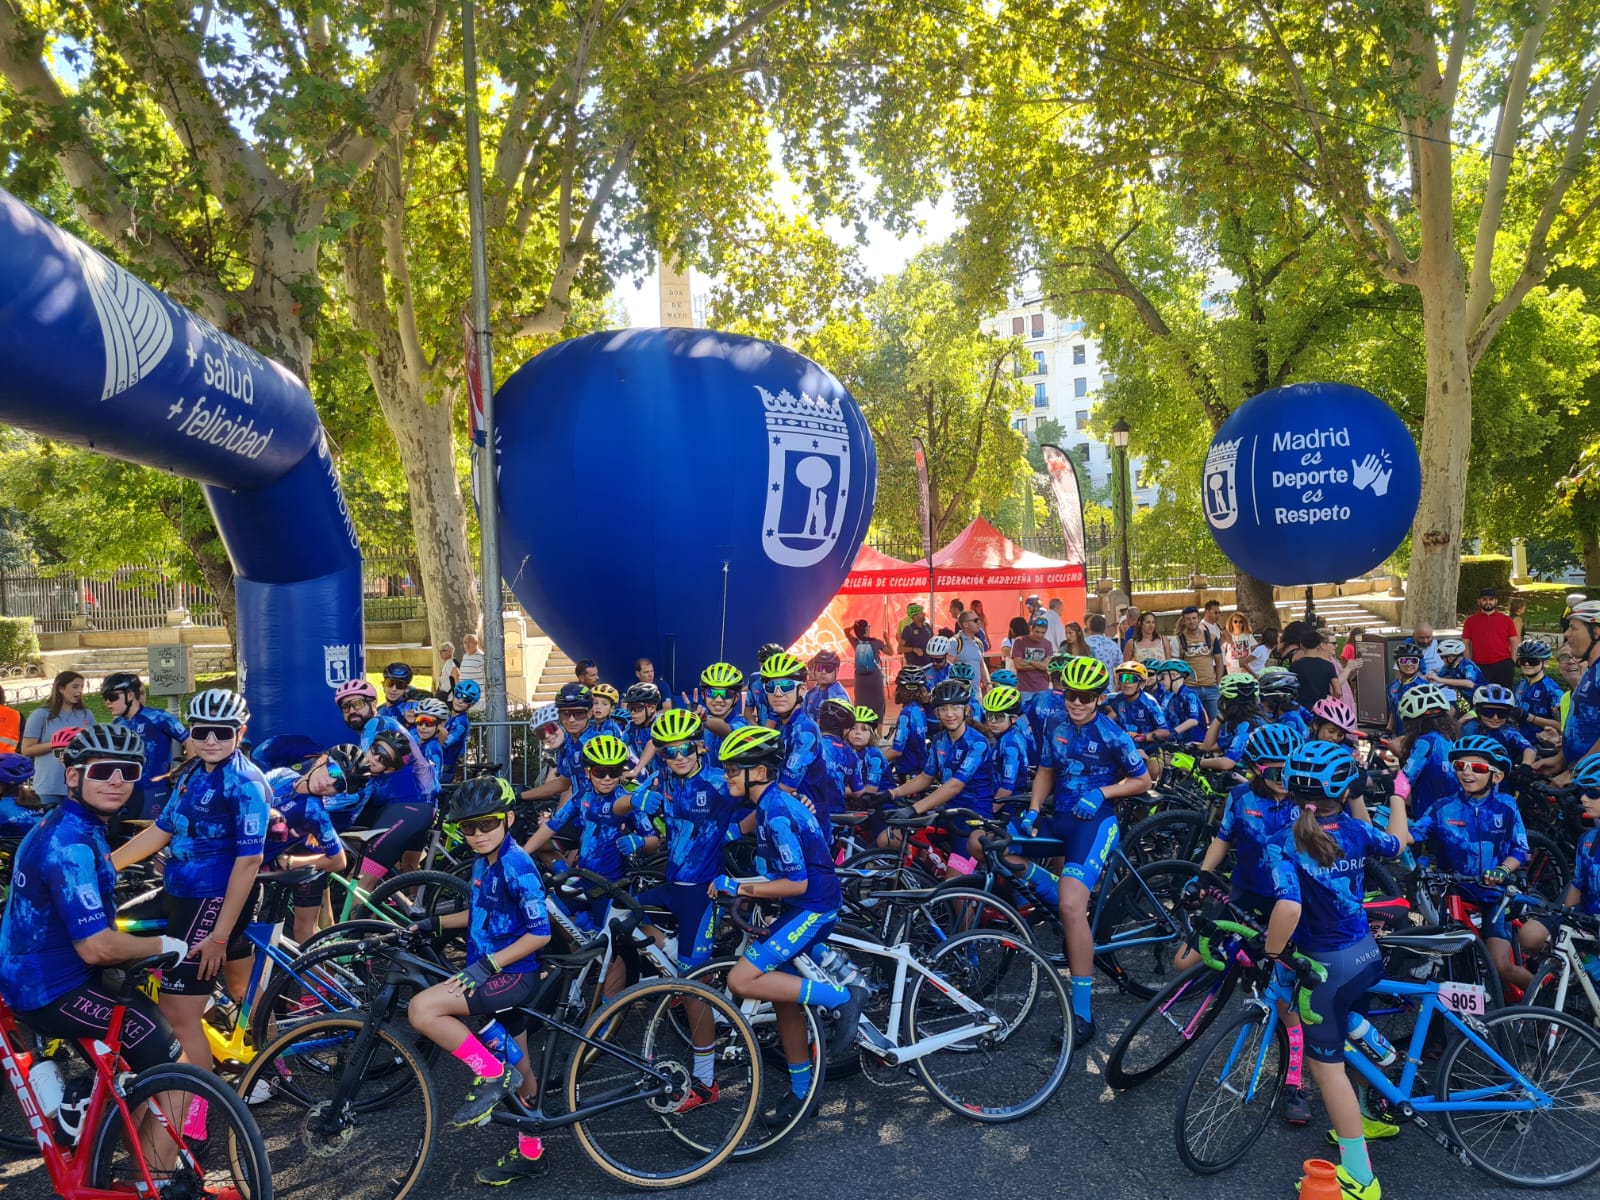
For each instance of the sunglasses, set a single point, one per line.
(1407, 662)
(479, 825)
(426, 722)
(1130, 677)
(335, 772)
(575, 714)
(1530, 662)
(387, 763)
(1073, 697)
(633, 708)
(213, 733)
(1503, 714)
(681, 750)
(1590, 794)
(1476, 765)
(607, 772)
(104, 770)
(1272, 773)
(547, 730)
(784, 686)
(350, 706)
(719, 693)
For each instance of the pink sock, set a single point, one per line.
(1297, 1054)
(477, 1056)
(530, 1147)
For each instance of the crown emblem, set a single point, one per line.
(808, 476)
(1220, 488)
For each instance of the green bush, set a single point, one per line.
(19, 641)
(1479, 571)
(1546, 603)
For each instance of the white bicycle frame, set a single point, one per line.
(1572, 970)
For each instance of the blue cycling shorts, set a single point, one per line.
(1088, 844)
(796, 932)
(696, 915)
(1351, 971)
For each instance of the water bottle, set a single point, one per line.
(494, 1036)
(45, 1080)
(837, 967)
(1377, 1046)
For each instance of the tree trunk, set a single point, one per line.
(1257, 601)
(1591, 557)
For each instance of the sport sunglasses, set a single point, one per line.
(1503, 713)
(427, 722)
(104, 770)
(1083, 697)
(607, 772)
(719, 693)
(480, 824)
(780, 685)
(681, 750)
(213, 733)
(1476, 765)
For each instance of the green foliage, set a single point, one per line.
(19, 641)
(1546, 603)
(1479, 571)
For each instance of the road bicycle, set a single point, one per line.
(1565, 980)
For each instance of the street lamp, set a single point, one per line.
(1124, 500)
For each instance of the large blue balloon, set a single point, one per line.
(1311, 483)
(680, 494)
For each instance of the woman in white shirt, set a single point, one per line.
(1238, 644)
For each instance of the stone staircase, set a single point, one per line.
(96, 663)
(1340, 613)
(558, 669)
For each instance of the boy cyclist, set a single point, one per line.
(157, 729)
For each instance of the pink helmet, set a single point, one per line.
(1337, 712)
(355, 687)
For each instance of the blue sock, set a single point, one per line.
(817, 991)
(1043, 882)
(1353, 1158)
(800, 1078)
(1082, 993)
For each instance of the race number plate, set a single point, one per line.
(1464, 999)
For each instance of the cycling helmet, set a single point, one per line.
(15, 769)
(103, 741)
(675, 725)
(352, 768)
(1451, 647)
(867, 716)
(1085, 674)
(825, 660)
(544, 714)
(1408, 649)
(938, 646)
(1422, 700)
(951, 691)
(1004, 677)
(752, 746)
(1272, 743)
(481, 796)
(62, 738)
(1179, 667)
(1495, 696)
(1476, 745)
(642, 693)
(1586, 772)
(395, 741)
(574, 695)
(1533, 648)
(607, 750)
(120, 681)
(357, 688)
(1132, 668)
(1335, 711)
(835, 716)
(768, 649)
(398, 672)
(911, 678)
(604, 691)
(1279, 685)
(467, 691)
(1238, 685)
(1003, 700)
(1587, 611)
(722, 675)
(218, 706)
(782, 665)
(1320, 769)
(430, 707)
(1059, 663)
(963, 671)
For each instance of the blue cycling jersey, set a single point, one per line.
(400, 712)
(714, 741)
(1251, 824)
(599, 828)
(310, 828)
(1582, 729)
(911, 740)
(1010, 759)
(453, 737)
(806, 764)
(1539, 697)
(1468, 835)
(758, 702)
(1232, 738)
(1140, 713)
(157, 729)
(1331, 915)
(382, 723)
(790, 844)
(934, 674)
(1429, 770)
(1396, 690)
(968, 757)
(697, 811)
(635, 735)
(1586, 872)
(1092, 755)
(873, 772)
(1508, 736)
(1295, 718)
(1464, 668)
(507, 903)
(433, 751)
(16, 820)
(413, 782)
(63, 890)
(569, 758)
(215, 817)
(817, 696)
(1186, 705)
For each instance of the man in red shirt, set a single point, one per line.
(1491, 638)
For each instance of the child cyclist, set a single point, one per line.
(453, 739)
(1280, 700)
(603, 710)
(1237, 715)
(721, 688)
(1186, 711)
(872, 771)
(908, 748)
(1494, 715)
(123, 693)
(1407, 676)
(1140, 713)
(1007, 729)
(1584, 893)
(428, 717)
(1424, 752)
(1318, 869)
(1538, 696)
(304, 833)
(960, 765)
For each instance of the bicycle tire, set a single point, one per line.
(352, 930)
(438, 893)
(234, 1134)
(273, 1010)
(949, 911)
(774, 1064)
(1541, 1044)
(1541, 993)
(1178, 833)
(714, 1137)
(1172, 1022)
(1548, 869)
(1218, 1084)
(1018, 985)
(1143, 902)
(358, 1159)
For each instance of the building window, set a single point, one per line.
(1039, 367)
(1038, 423)
(1079, 353)
(1016, 326)
(1020, 423)
(1107, 379)
(1041, 396)
(1038, 324)
(1080, 387)
(1082, 419)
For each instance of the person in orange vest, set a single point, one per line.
(10, 726)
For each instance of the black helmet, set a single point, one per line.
(836, 716)
(951, 691)
(396, 742)
(397, 672)
(481, 796)
(911, 679)
(347, 767)
(642, 693)
(120, 681)
(768, 649)
(574, 695)
(103, 741)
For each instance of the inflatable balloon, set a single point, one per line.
(679, 494)
(1311, 483)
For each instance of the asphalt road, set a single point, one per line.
(888, 1143)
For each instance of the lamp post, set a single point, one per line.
(1119, 439)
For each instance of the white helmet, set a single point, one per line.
(218, 706)
(545, 714)
(1450, 647)
(938, 644)
(1587, 611)
(430, 706)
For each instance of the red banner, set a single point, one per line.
(1069, 505)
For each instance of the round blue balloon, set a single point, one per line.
(1311, 483)
(680, 494)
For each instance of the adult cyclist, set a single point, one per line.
(358, 704)
(123, 693)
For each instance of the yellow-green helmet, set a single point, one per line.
(1058, 663)
(606, 750)
(866, 716)
(752, 746)
(1002, 700)
(1238, 685)
(1085, 674)
(783, 666)
(675, 725)
(722, 675)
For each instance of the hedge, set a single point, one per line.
(19, 641)
(1479, 571)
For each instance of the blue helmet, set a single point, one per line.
(1586, 774)
(1272, 743)
(467, 691)
(1533, 649)
(1320, 769)
(963, 670)
(1476, 745)
(1004, 677)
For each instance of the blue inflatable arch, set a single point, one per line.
(94, 356)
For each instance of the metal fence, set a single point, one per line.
(526, 764)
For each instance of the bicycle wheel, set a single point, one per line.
(1174, 834)
(1175, 1019)
(1006, 1073)
(644, 1052)
(1549, 869)
(347, 931)
(1142, 923)
(413, 895)
(207, 1139)
(334, 977)
(1546, 983)
(1231, 1092)
(763, 1023)
(1555, 1057)
(949, 912)
(368, 1139)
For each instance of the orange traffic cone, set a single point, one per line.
(1319, 1182)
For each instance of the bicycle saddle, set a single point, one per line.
(1440, 944)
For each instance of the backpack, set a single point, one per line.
(866, 656)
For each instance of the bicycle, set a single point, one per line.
(1507, 1078)
(1562, 981)
(138, 1134)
